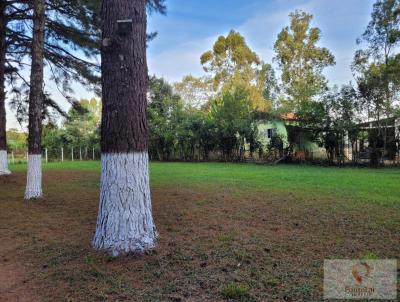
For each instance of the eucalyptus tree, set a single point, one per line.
(376, 68)
(232, 63)
(301, 60)
(125, 222)
(195, 92)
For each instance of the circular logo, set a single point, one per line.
(360, 271)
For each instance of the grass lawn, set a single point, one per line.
(227, 231)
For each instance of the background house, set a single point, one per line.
(284, 126)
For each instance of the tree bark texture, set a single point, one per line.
(124, 78)
(36, 79)
(125, 222)
(34, 177)
(3, 144)
(3, 123)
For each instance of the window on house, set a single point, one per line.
(271, 133)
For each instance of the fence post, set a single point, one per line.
(80, 153)
(47, 159)
(12, 157)
(72, 154)
(62, 154)
(93, 153)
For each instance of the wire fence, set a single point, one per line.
(57, 154)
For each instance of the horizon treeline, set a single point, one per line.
(218, 114)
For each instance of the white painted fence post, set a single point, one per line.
(62, 154)
(47, 159)
(93, 153)
(80, 153)
(72, 153)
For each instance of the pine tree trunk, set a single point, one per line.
(3, 142)
(125, 223)
(34, 179)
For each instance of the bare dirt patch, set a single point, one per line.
(270, 246)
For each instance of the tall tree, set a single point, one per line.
(271, 89)
(163, 112)
(125, 223)
(376, 68)
(34, 177)
(71, 26)
(339, 122)
(71, 47)
(301, 60)
(71, 42)
(234, 123)
(231, 63)
(3, 142)
(195, 92)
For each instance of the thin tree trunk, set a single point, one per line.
(125, 223)
(3, 141)
(34, 178)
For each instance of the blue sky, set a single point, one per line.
(191, 27)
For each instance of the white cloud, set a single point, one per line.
(341, 22)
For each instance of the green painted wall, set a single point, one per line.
(280, 130)
(305, 142)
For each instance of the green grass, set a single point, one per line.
(235, 290)
(379, 186)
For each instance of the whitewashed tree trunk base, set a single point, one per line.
(34, 177)
(125, 221)
(4, 163)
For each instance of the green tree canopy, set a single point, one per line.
(231, 63)
(301, 60)
(195, 92)
(377, 65)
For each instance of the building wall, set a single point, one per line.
(280, 130)
(305, 142)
